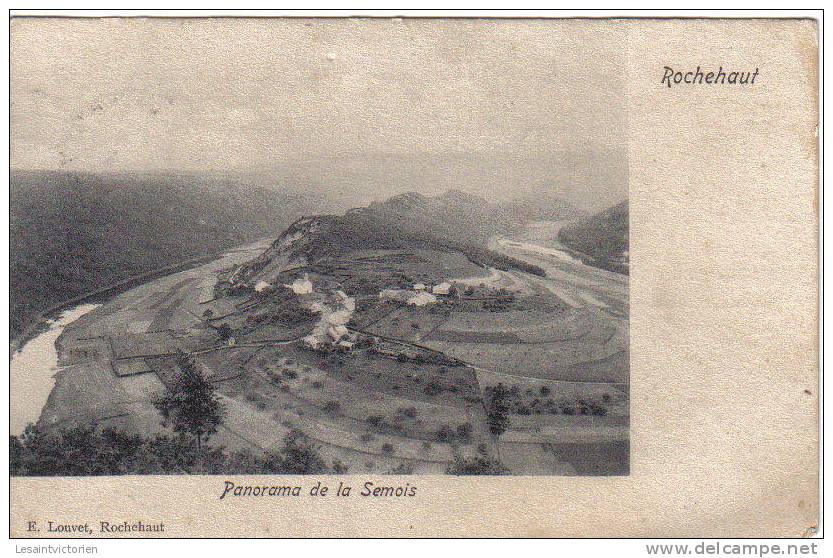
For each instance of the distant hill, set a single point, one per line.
(404, 221)
(598, 175)
(71, 233)
(602, 237)
(454, 215)
(540, 207)
(454, 221)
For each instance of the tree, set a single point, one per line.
(478, 465)
(191, 408)
(87, 450)
(445, 434)
(224, 332)
(464, 431)
(498, 409)
(299, 456)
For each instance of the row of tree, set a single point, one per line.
(192, 409)
(88, 451)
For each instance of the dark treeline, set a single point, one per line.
(603, 237)
(193, 410)
(477, 465)
(86, 451)
(72, 233)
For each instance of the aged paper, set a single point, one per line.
(394, 277)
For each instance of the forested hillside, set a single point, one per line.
(602, 237)
(71, 233)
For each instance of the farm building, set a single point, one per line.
(312, 341)
(301, 286)
(336, 332)
(422, 299)
(419, 298)
(442, 289)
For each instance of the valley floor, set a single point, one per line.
(411, 395)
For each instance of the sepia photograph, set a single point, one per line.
(409, 256)
(368, 274)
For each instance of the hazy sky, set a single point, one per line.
(545, 98)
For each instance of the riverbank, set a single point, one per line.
(101, 295)
(88, 387)
(32, 369)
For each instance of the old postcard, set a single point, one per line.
(413, 277)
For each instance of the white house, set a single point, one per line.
(420, 287)
(301, 286)
(422, 298)
(312, 341)
(442, 289)
(336, 332)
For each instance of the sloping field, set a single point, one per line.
(610, 458)
(143, 344)
(90, 389)
(598, 355)
(358, 408)
(347, 418)
(131, 367)
(408, 392)
(542, 361)
(410, 323)
(174, 298)
(91, 393)
(516, 327)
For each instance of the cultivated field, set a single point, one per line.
(402, 384)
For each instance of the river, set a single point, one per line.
(33, 370)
